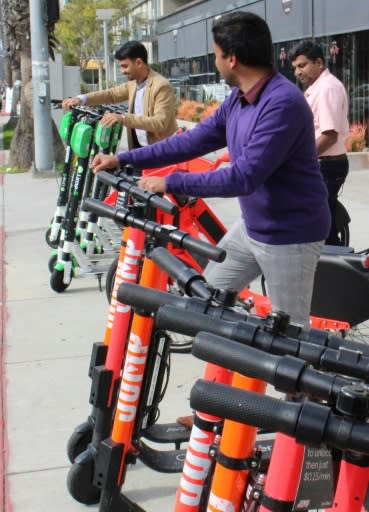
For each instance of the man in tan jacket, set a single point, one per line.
(151, 112)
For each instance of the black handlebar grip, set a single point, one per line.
(147, 298)
(154, 200)
(189, 280)
(204, 249)
(190, 323)
(108, 178)
(308, 422)
(329, 340)
(244, 406)
(286, 373)
(101, 209)
(123, 184)
(235, 356)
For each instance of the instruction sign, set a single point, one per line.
(316, 486)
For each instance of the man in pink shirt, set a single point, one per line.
(327, 98)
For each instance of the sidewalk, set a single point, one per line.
(46, 346)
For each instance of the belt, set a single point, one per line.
(333, 157)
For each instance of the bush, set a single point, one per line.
(190, 110)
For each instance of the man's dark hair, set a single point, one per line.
(245, 35)
(132, 50)
(308, 49)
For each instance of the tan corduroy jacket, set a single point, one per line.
(159, 119)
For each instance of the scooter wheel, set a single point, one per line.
(52, 261)
(52, 243)
(79, 440)
(56, 281)
(80, 478)
(110, 278)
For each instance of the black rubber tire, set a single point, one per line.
(79, 441)
(53, 244)
(110, 278)
(52, 261)
(56, 281)
(80, 478)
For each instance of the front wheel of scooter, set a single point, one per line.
(79, 440)
(52, 243)
(80, 478)
(52, 262)
(56, 281)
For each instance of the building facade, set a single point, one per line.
(179, 35)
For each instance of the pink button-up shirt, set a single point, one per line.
(327, 98)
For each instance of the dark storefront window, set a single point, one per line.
(347, 57)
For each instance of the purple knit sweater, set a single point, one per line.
(274, 171)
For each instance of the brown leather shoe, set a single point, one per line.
(185, 421)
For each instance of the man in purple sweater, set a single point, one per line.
(268, 128)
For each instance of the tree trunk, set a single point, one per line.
(22, 152)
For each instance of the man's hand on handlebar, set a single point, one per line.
(154, 184)
(67, 103)
(110, 118)
(103, 162)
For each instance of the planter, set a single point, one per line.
(358, 160)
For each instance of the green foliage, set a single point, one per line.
(84, 88)
(7, 133)
(80, 34)
(5, 169)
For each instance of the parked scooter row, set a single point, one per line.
(129, 405)
(224, 469)
(78, 238)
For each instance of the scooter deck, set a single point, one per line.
(168, 461)
(167, 433)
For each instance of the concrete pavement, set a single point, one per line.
(46, 346)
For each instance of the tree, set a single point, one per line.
(79, 32)
(15, 14)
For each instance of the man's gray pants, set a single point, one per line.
(288, 269)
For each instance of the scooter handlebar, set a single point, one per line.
(201, 248)
(286, 373)
(188, 279)
(124, 184)
(253, 332)
(308, 422)
(146, 298)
